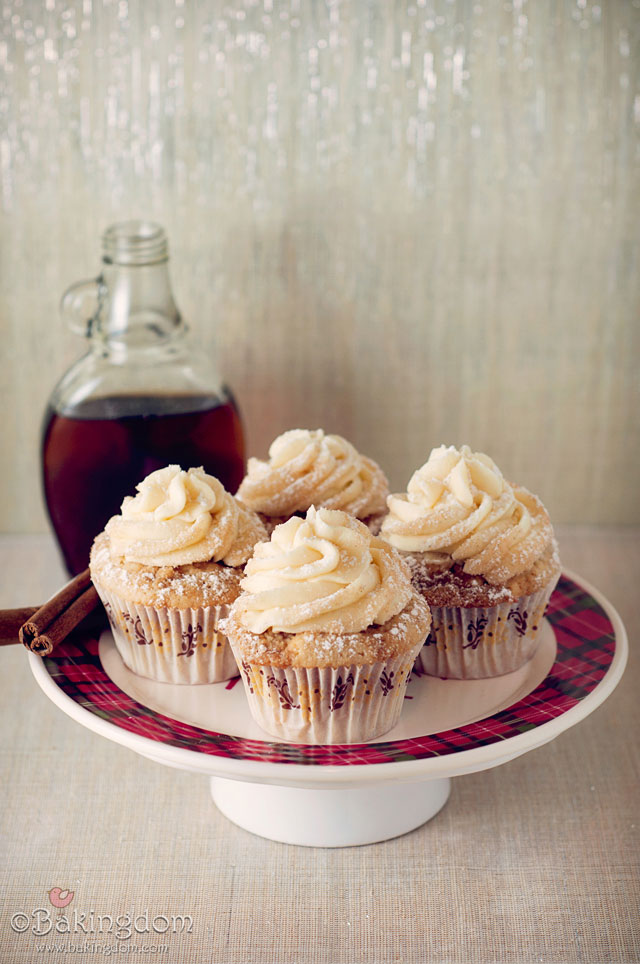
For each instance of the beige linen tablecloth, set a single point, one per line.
(535, 861)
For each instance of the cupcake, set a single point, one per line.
(310, 468)
(483, 554)
(167, 569)
(326, 630)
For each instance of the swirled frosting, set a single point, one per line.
(310, 468)
(325, 573)
(459, 508)
(178, 518)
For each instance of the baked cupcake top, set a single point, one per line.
(324, 591)
(179, 518)
(175, 587)
(308, 468)
(460, 510)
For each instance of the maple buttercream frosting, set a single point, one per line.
(325, 572)
(182, 517)
(307, 468)
(459, 509)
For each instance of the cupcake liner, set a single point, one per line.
(482, 642)
(170, 645)
(348, 704)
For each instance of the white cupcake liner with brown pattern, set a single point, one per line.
(482, 642)
(350, 704)
(170, 645)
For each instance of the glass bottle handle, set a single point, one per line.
(79, 305)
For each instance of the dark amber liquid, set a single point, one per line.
(96, 453)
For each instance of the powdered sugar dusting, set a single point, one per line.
(199, 584)
(453, 587)
(399, 635)
(310, 468)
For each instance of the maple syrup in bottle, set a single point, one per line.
(141, 398)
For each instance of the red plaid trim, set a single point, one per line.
(586, 647)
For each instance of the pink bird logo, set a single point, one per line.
(59, 897)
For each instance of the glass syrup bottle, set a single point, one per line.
(142, 397)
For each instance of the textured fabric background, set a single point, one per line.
(411, 222)
(535, 861)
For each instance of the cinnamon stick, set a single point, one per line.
(61, 626)
(53, 622)
(10, 622)
(45, 615)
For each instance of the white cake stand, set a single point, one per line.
(343, 796)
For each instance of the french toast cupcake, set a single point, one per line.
(482, 552)
(167, 569)
(326, 630)
(308, 468)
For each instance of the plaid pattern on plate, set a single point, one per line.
(586, 647)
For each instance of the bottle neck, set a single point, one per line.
(136, 304)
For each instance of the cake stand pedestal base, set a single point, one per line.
(329, 817)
